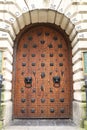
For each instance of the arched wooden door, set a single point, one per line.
(42, 87)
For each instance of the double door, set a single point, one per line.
(42, 75)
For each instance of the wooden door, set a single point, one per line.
(42, 78)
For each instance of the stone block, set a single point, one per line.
(51, 16)
(83, 88)
(7, 75)
(6, 44)
(85, 124)
(77, 76)
(7, 65)
(2, 96)
(73, 34)
(58, 18)
(79, 112)
(34, 16)
(64, 22)
(26, 16)
(80, 96)
(82, 129)
(83, 96)
(78, 86)
(7, 85)
(7, 113)
(42, 16)
(21, 21)
(1, 112)
(69, 28)
(77, 65)
(6, 95)
(1, 124)
(77, 56)
(7, 55)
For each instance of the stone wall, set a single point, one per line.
(70, 15)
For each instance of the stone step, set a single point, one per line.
(41, 128)
(42, 124)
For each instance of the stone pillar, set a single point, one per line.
(6, 46)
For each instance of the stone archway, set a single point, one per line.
(11, 26)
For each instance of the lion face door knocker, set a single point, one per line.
(28, 82)
(56, 81)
